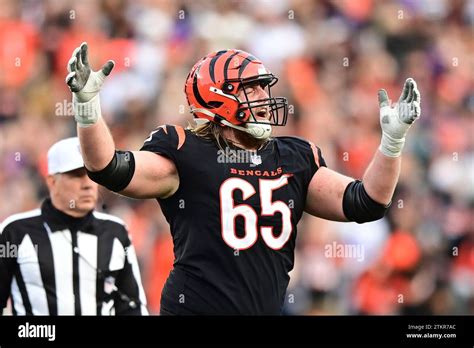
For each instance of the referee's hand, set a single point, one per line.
(82, 80)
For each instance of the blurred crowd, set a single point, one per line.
(331, 57)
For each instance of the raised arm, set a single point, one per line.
(337, 197)
(134, 174)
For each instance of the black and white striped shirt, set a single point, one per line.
(55, 264)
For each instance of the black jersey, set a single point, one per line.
(233, 221)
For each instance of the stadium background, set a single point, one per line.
(331, 56)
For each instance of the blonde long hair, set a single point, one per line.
(210, 131)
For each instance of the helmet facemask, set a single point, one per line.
(274, 107)
(277, 107)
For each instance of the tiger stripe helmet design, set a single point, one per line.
(213, 84)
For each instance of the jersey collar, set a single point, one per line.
(58, 220)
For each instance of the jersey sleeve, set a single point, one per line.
(165, 140)
(305, 152)
(312, 155)
(316, 157)
(303, 156)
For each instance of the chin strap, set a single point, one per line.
(257, 130)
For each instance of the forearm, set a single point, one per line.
(381, 176)
(97, 145)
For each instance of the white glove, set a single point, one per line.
(85, 85)
(395, 121)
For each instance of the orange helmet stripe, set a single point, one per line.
(246, 62)
(227, 62)
(196, 92)
(213, 63)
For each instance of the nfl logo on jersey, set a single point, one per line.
(256, 160)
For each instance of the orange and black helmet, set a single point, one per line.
(213, 83)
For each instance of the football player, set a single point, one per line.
(233, 217)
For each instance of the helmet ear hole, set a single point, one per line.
(215, 104)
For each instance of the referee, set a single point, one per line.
(65, 258)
